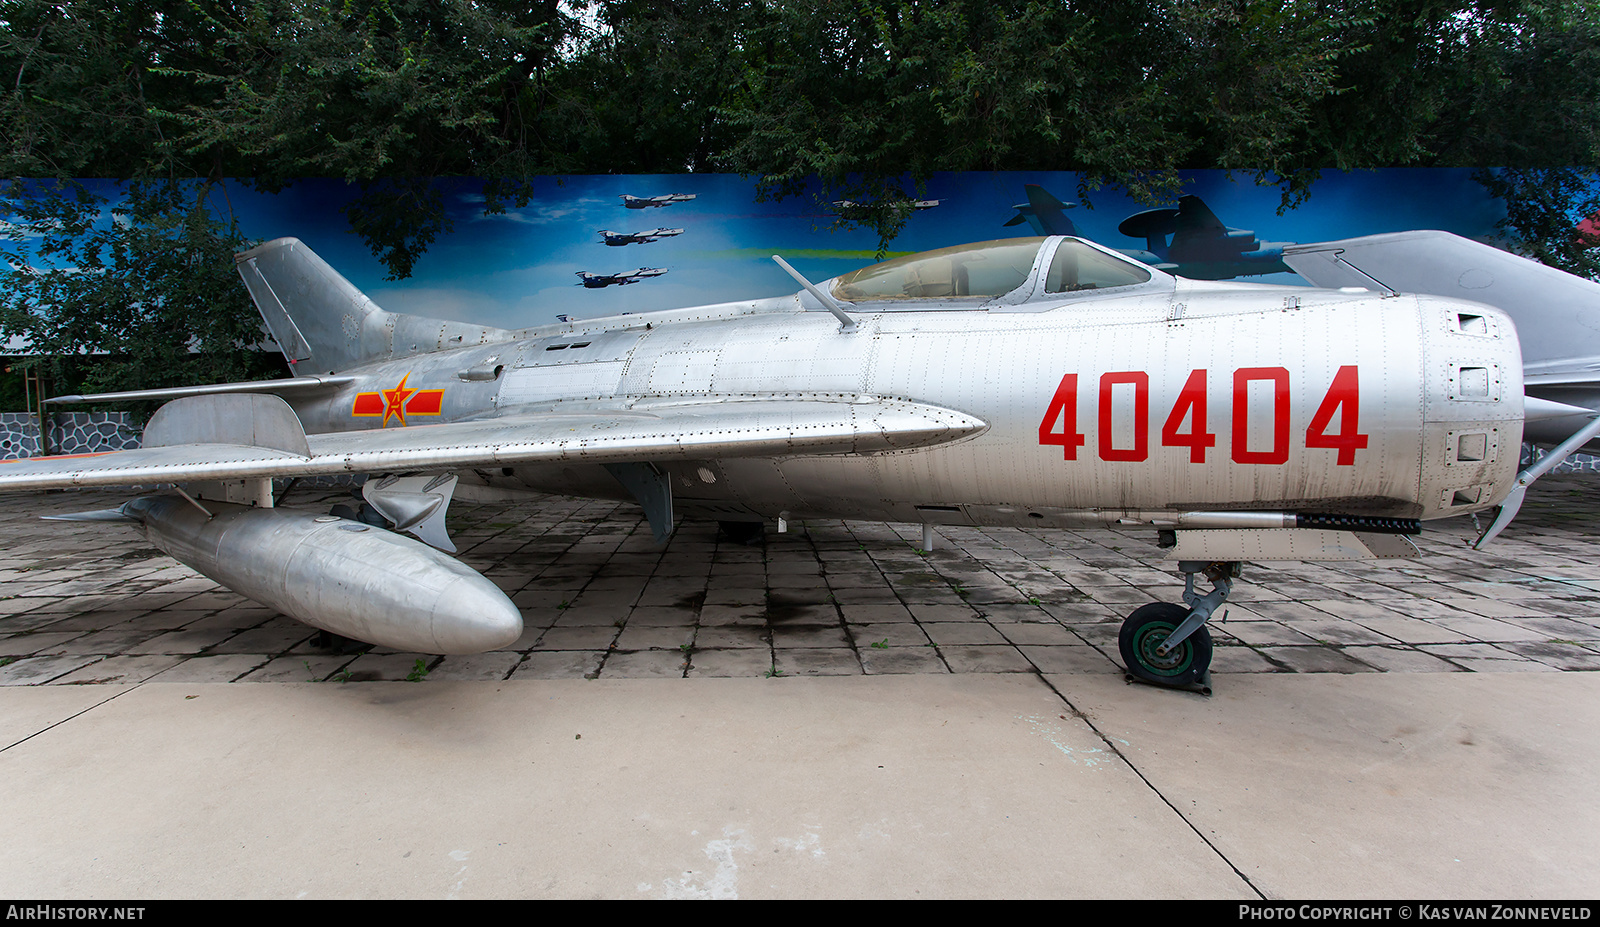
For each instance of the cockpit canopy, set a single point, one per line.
(988, 269)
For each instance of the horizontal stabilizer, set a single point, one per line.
(726, 427)
(296, 385)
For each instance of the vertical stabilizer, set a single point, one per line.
(1050, 212)
(1557, 314)
(323, 324)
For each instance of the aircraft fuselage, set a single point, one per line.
(1198, 396)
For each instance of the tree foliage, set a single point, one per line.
(867, 96)
(147, 281)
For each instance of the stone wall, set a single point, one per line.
(70, 433)
(1577, 463)
(91, 432)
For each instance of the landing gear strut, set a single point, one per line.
(1168, 644)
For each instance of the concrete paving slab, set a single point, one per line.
(1525, 599)
(732, 636)
(985, 659)
(218, 668)
(20, 645)
(121, 668)
(36, 670)
(1438, 785)
(747, 663)
(591, 789)
(1070, 659)
(1227, 660)
(821, 661)
(49, 706)
(560, 664)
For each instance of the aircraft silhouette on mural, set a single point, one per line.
(850, 209)
(1187, 240)
(618, 239)
(1044, 382)
(665, 199)
(596, 281)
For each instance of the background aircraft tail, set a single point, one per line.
(1557, 314)
(1046, 214)
(323, 324)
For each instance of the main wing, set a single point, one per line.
(236, 449)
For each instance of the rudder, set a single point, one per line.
(323, 324)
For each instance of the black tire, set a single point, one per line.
(1144, 631)
(345, 511)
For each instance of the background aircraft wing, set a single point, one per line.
(664, 431)
(1557, 314)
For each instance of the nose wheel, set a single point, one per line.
(1146, 630)
(1168, 644)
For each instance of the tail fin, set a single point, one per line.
(1557, 314)
(1050, 211)
(324, 324)
(1197, 225)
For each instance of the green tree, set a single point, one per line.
(170, 98)
(382, 93)
(110, 292)
(839, 99)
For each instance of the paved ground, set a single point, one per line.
(91, 603)
(675, 722)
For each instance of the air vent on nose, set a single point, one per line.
(1472, 446)
(1471, 382)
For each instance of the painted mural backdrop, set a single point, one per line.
(522, 268)
(713, 242)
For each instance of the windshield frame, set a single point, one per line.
(1029, 296)
(910, 263)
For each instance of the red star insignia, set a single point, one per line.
(394, 401)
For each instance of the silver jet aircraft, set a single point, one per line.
(596, 281)
(618, 239)
(1040, 382)
(665, 199)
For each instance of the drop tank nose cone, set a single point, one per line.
(353, 579)
(474, 616)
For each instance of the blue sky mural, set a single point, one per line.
(519, 269)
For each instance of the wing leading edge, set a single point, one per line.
(700, 428)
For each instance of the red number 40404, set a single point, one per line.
(1186, 424)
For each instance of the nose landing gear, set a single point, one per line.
(1167, 644)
